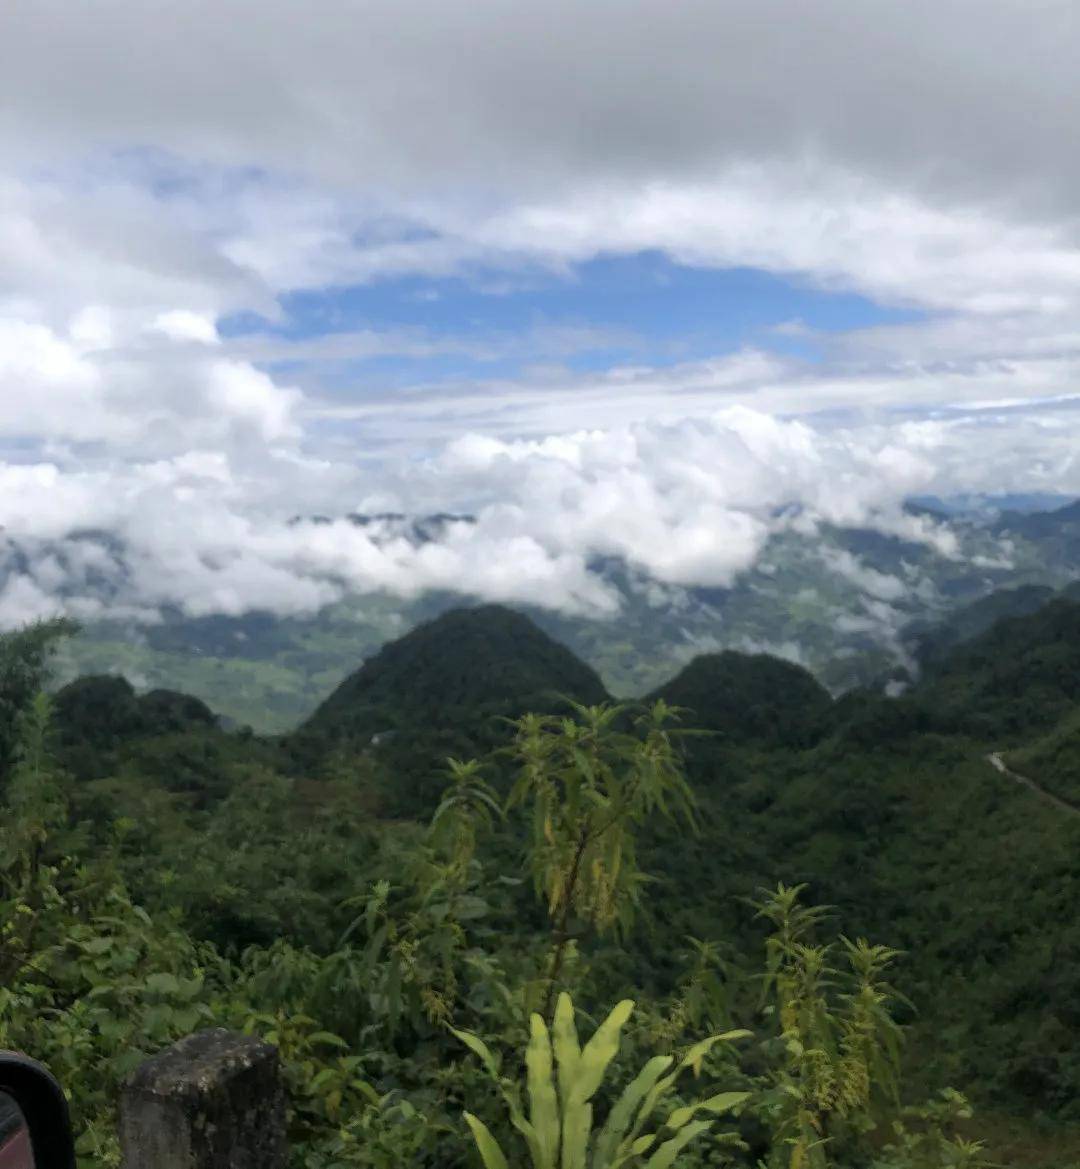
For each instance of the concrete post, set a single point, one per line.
(214, 1100)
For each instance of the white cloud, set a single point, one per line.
(22, 600)
(185, 325)
(687, 503)
(831, 226)
(881, 586)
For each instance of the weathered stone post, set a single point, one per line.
(214, 1100)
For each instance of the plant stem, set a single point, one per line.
(561, 935)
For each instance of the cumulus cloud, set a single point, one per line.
(68, 386)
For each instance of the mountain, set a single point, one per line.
(1019, 676)
(1052, 761)
(104, 711)
(749, 698)
(109, 738)
(934, 640)
(1023, 502)
(468, 661)
(439, 691)
(1056, 524)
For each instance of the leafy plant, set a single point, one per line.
(927, 1136)
(590, 785)
(841, 1043)
(154, 886)
(469, 807)
(562, 1079)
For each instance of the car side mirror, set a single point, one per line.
(35, 1129)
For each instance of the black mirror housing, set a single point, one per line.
(44, 1110)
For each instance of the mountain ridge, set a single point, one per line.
(846, 602)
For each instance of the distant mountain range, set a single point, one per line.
(852, 605)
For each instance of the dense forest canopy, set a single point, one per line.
(818, 927)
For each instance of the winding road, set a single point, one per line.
(999, 764)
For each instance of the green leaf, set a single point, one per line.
(566, 1045)
(128, 1062)
(618, 1121)
(490, 1153)
(665, 1155)
(478, 1047)
(328, 1038)
(598, 1053)
(543, 1105)
(731, 1036)
(577, 1124)
(323, 1077)
(517, 1119)
(471, 908)
(187, 1020)
(679, 1116)
(162, 983)
(724, 1101)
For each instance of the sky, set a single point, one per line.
(615, 277)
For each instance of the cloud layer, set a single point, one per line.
(683, 504)
(170, 170)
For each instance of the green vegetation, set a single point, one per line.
(751, 698)
(1053, 761)
(468, 855)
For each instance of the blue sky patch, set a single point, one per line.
(641, 309)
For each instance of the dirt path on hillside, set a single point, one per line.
(999, 764)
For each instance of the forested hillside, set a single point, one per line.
(445, 689)
(466, 829)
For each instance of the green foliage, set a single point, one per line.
(159, 874)
(440, 691)
(562, 1079)
(928, 1135)
(468, 807)
(1021, 675)
(748, 698)
(841, 1042)
(1053, 761)
(590, 785)
(24, 661)
(33, 800)
(935, 642)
